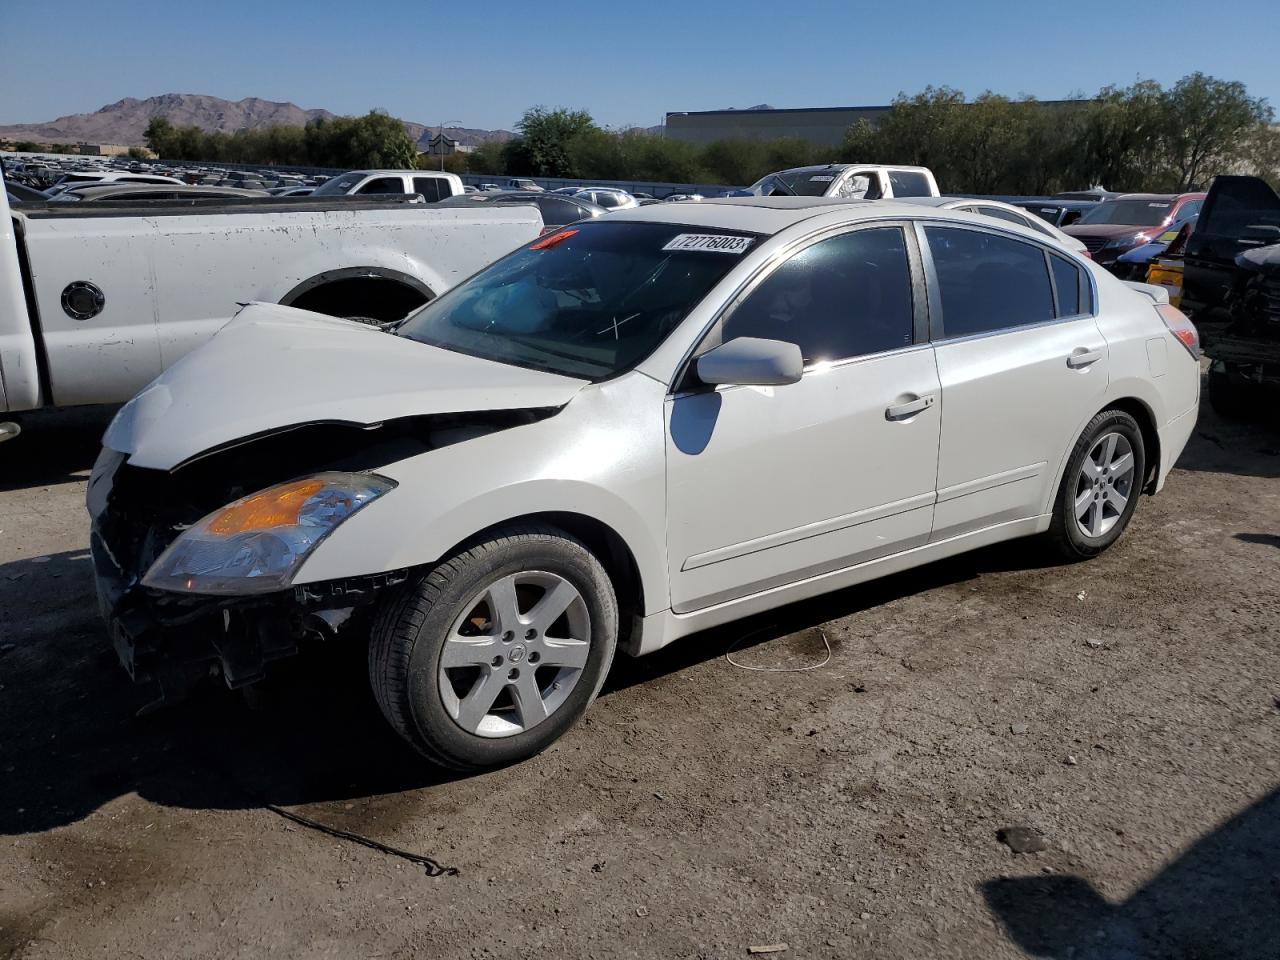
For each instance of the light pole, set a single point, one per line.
(441, 138)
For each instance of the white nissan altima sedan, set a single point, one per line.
(628, 431)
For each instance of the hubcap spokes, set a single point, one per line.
(515, 654)
(1104, 485)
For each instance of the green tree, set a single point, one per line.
(137, 153)
(1206, 121)
(160, 136)
(542, 148)
(488, 158)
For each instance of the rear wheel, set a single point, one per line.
(1100, 488)
(498, 651)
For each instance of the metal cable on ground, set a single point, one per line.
(728, 655)
(432, 867)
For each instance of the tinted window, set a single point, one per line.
(430, 188)
(988, 282)
(383, 185)
(843, 297)
(557, 212)
(1189, 209)
(1067, 282)
(909, 183)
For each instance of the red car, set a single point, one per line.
(1117, 226)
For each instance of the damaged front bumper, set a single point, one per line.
(175, 640)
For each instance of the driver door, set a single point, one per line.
(770, 485)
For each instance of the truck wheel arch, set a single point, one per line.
(378, 293)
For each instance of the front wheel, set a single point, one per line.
(498, 651)
(1100, 488)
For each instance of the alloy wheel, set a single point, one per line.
(1104, 485)
(514, 654)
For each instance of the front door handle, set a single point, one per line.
(1083, 357)
(908, 408)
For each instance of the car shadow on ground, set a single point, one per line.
(1221, 898)
(72, 739)
(54, 447)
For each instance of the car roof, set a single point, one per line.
(1157, 196)
(769, 215)
(125, 189)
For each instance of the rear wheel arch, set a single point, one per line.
(1150, 436)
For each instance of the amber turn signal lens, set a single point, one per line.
(278, 507)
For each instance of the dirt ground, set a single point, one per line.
(1127, 709)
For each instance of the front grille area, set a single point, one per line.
(1093, 244)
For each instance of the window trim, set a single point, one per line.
(709, 337)
(937, 332)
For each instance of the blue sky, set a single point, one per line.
(627, 64)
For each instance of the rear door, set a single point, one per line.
(1021, 363)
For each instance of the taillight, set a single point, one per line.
(1181, 327)
(1086, 254)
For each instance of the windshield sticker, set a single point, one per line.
(710, 242)
(823, 179)
(1160, 205)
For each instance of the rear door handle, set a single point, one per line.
(908, 408)
(1083, 357)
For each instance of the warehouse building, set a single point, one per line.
(825, 126)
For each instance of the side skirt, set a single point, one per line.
(657, 630)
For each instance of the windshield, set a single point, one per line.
(590, 301)
(1137, 213)
(813, 182)
(339, 186)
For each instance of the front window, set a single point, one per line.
(813, 182)
(1136, 213)
(590, 301)
(338, 186)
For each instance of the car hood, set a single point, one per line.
(275, 367)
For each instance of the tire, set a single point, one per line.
(459, 605)
(1230, 398)
(1076, 537)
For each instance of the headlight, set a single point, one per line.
(256, 544)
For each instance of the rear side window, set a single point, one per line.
(909, 183)
(987, 282)
(843, 297)
(429, 187)
(1068, 281)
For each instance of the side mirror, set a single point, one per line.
(749, 361)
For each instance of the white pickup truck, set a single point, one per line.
(849, 181)
(95, 303)
(431, 185)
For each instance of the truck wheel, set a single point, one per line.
(1100, 488)
(494, 654)
(1228, 396)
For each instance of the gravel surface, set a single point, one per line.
(1002, 759)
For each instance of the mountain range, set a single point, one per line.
(125, 121)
